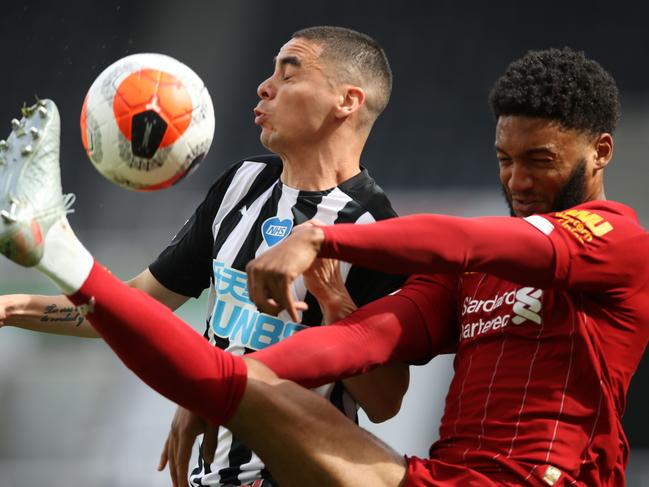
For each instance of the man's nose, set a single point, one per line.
(266, 89)
(520, 179)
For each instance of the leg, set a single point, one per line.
(298, 434)
(304, 440)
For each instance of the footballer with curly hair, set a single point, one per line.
(546, 311)
(563, 86)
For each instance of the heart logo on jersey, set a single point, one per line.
(275, 230)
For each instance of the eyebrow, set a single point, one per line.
(288, 60)
(532, 151)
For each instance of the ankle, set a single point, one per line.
(65, 260)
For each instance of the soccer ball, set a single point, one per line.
(147, 121)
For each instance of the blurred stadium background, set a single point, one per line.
(70, 413)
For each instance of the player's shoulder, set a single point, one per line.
(608, 227)
(364, 190)
(264, 168)
(270, 160)
(255, 164)
(602, 217)
(605, 207)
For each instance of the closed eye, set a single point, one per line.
(503, 161)
(541, 162)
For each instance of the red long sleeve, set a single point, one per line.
(507, 247)
(411, 326)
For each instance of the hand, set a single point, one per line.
(177, 451)
(271, 274)
(324, 280)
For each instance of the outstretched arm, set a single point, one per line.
(510, 248)
(57, 314)
(47, 314)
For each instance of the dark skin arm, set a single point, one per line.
(379, 392)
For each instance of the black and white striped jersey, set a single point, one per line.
(247, 211)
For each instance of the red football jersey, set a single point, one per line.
(541, 375)
(548, 316)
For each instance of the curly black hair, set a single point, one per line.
(558, 84)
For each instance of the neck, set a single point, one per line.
(322, 167)
(596, 190)
(599, 195)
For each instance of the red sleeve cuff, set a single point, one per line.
(329, 246)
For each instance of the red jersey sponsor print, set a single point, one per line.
(541, 374)
(516, 306)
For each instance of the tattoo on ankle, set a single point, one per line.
(52, 314)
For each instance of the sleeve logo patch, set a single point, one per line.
(583, 224)
(540, 223)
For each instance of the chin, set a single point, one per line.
(266, 140)
(524, 214)
(271, 141)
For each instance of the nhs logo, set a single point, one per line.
(275, 230)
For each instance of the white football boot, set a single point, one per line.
(31, 199)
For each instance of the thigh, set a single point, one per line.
(304, 440)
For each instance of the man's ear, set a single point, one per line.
(603, 150)
(351, 100)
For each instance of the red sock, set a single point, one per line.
(161, 349)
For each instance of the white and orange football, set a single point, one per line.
(147, 121)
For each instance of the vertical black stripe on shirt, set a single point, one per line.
(207, 328)
(336, 396)
(306, 206)
(254, 238)
(239, 455)
(313, 315)
(363, 189)
(351, 212)
(216, 340)
(305, 209)
(264, 180)
(202, 464)
(359, 277)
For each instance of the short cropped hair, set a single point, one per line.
(358, 60)
(561, 85)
